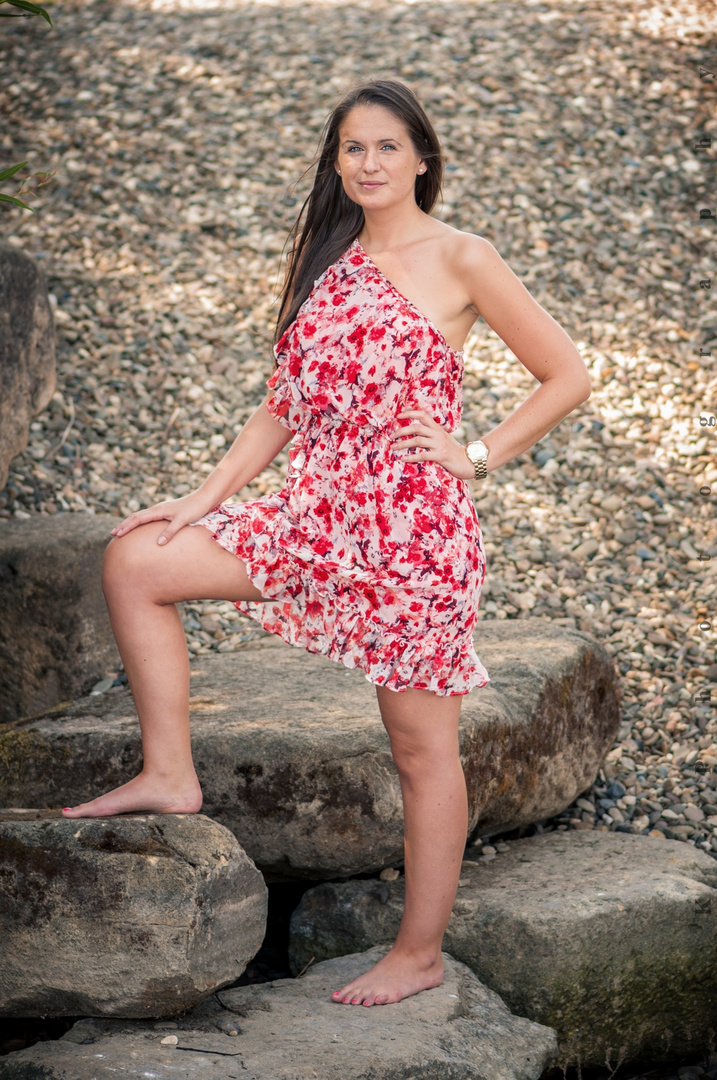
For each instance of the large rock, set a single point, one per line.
(292, 1030)
(610, 938)
(55, 635)
(132, 916)
(294, 759)
(27, 351)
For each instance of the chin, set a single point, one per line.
(377, 199)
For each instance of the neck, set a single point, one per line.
(392, 228)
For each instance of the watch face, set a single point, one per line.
(476, 451)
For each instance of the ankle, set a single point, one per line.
(179, 777)
(421, 958)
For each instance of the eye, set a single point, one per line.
(388, 146)
(352, 148)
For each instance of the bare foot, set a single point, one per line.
(396, 976)
(143, 794)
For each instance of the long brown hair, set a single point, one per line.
(332, 220)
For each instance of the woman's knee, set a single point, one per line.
(128, 560)
(420, 754)
(418, 760)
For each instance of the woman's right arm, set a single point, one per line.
(255, 447)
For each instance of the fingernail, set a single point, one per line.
(162, 540)
(66, 808)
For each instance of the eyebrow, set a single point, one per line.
(389, 138)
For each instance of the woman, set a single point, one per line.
(372, 553)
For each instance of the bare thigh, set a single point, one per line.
(421, 725)
(192, 566)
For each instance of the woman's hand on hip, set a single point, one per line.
(178, 512)
(422, 439)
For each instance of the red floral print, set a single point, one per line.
(365, 557)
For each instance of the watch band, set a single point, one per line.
(480, 469)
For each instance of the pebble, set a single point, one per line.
(103, 685)
(161, 240)
(228, 1025)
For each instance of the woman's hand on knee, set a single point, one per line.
(178, 512)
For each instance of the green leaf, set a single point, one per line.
(25, 5)
(13, 168)
(17, 202)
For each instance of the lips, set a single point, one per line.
(371, 184)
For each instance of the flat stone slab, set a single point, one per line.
(294, 759)
(128, 916)
(610, 938)
(292, 1030)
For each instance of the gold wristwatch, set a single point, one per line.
(478, 455)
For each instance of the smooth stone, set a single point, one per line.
(27, 351)
(292, 1030)
(55, 636)
(586, 549)
(610, 938)
(137, 916)
(294, 759)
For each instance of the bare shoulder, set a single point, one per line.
(453, 243)
(469, 252)
(464, 258)
(466, 255)
(487, 278)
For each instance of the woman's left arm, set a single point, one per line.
(539, 342)
(541, 345)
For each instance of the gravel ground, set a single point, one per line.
(179, 131)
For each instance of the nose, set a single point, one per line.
(371, 162)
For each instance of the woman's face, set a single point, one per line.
(376, 159)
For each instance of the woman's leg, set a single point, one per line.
(142, 582)
(423, 729)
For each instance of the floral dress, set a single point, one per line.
(365, 557)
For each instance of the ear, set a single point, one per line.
(421, 167)
(336, 166)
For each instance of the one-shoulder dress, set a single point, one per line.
(365, 557)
